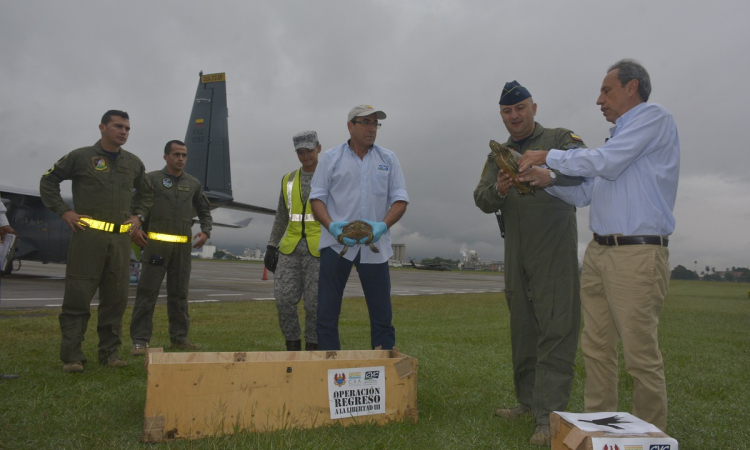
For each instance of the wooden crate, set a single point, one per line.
(191, 395)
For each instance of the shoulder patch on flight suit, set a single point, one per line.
(100, 164)
(167, 183)
(575, 137)
(123, 169)
(183, 187)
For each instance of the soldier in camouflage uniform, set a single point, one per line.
(178, 196)
(296, 275)
(542, 285)
(104, 177)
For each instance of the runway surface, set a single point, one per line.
(41, 286)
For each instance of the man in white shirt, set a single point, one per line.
(631, 184)
(357, 180)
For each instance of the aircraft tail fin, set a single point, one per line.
(207, 139)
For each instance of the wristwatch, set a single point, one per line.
(552, 175)
(141, 218)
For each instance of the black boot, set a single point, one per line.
(311, 346)
(294, 346)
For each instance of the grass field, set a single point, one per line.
(463, 349)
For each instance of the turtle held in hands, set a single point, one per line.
(507, 160)
(357, 230)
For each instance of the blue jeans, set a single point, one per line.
(376, 284)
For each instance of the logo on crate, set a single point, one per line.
(371, 375)
(633, 447)
(660, 447)
(339, 379)
(355, 378)
(611, 447)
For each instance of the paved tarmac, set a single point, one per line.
(41, 286)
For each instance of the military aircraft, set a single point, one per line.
(43, 236)
(440, 267)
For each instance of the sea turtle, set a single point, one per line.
(357, 230)
(506, 159)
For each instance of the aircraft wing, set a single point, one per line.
(241, 224)
(249, 208)
(19, 191)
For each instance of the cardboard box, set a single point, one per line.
(606, 431)
(191, 395)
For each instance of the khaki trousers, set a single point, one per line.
(622, 293)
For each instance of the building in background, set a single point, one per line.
(473, 262)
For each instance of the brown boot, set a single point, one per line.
(515, 412)
(185, 344)
(294, 346)
(74, 367)
(541, 436)
(115, 363)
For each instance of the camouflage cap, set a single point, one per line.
(365, 110)
(305, 139)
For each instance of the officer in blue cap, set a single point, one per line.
(541, 267)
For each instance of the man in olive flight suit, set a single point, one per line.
(296, 276)
(166, 238)
(542, 285)
(104, 177)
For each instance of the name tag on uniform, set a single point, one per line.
(183, 187)
(123, 169)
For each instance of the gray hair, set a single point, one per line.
(630, 69)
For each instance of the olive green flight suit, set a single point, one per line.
(176, 201)
(103, 189)
(542, 284)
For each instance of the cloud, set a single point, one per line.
(436, 68)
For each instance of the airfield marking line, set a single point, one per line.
(31, 299)
(203, 301)
(270, 298)
(223, 295)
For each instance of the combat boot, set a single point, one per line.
(541, 436)
(74, 367)
(294, 346)
(138, 349)
(311, 346)
(184, 344)
(515, 412)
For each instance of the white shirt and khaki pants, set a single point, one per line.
(631, 184)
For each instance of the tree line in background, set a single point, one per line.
(736, 274)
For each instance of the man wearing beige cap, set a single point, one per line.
(292, 252)
(357, 180)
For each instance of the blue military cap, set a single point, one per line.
(513, 93)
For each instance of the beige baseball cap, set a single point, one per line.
(365, 110)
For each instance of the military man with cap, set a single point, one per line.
(541, 267)
(357, 180)
(178, 197)
(292, 252)
(108, 210)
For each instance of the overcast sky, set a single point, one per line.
(435, 67)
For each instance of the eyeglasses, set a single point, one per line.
(368, 123)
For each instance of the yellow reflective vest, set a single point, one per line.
(302, 223)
